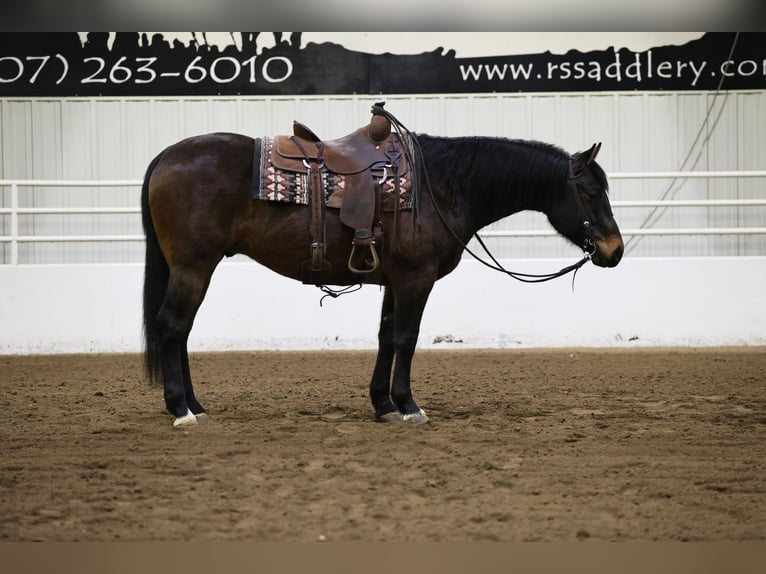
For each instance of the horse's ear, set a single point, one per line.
(582, 159)
(592, 153)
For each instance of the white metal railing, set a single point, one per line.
(15, 211)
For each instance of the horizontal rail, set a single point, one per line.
(612, 175)
(499, 233)
(72, 210)
(615, 204)
(71, 238)
(685, 174)
(484, 234)
(697, 231)
(72, 182)
(690, 203)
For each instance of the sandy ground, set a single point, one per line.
(553, 445)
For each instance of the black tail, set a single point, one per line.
(156, 275)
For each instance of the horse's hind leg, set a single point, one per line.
(380, 386)
(185, 292)
(191, 401)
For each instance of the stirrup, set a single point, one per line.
(363, 238)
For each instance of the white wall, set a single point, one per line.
(667, 302)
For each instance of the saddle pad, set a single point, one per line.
(273, 184)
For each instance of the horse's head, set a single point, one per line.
(583, 213)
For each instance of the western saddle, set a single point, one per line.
(364, 158)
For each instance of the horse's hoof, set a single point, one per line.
(418, 418)
(201, 417)
(188, 419)
(392, 417)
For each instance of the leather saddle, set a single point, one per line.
(365, 158)
(358, 151)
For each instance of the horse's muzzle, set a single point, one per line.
(608, 251)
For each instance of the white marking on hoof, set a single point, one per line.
(418, 417)
(201, 417)
(187, 419)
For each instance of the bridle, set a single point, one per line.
(584, 211)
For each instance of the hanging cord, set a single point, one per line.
(335, 293)
(495, 265)
(631, 243)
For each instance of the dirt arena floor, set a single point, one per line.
(554, 445)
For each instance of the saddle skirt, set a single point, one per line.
(274, 182)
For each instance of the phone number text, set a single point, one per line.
(95, 70)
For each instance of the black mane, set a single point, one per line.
(492, 171)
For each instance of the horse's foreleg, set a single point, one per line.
(409, 305)
(184, 295)
(380, 386)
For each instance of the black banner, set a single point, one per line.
(64, 64)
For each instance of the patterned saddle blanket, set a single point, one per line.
(271, 183)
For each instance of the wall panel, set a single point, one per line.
(139, 131)
(751, 122)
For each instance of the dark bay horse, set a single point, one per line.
(198, 207)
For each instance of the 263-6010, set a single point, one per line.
(56, 69)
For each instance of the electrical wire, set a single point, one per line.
(659, 211)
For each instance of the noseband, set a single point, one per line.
(589, 245)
